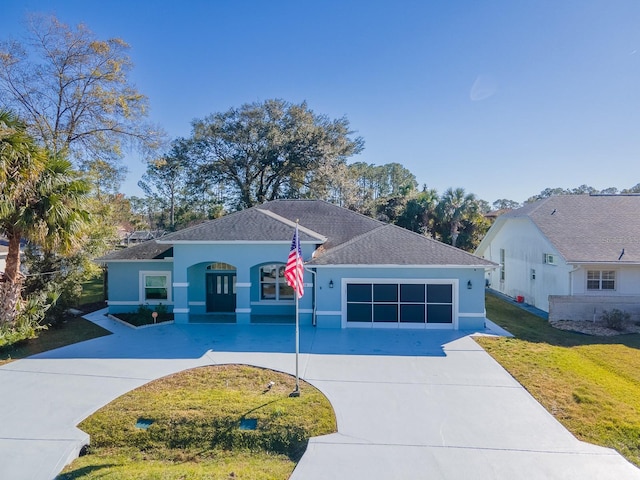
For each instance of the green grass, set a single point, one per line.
(590, 384)
(195, 431)
(74, 330)
(92, 291)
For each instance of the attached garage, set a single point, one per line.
(400, 303)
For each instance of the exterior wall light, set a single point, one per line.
(330, 283)
(469, 285)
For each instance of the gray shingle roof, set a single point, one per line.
(344, 237)
(250, 225)
(588, 228)
(391, 245)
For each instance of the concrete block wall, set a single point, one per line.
(588, 307)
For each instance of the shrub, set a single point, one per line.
(615, 319)
(143, 316)
(31, 313)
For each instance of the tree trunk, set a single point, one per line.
(12, 268)
(9, 301)
(455, 228)
(11, 283)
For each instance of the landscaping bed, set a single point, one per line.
(144, 316)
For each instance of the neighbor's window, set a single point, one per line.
(273, 285)
(601, 280)
(502, 264)
(155, 286)
(549, 259)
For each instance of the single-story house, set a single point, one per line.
(570, 255)
(359, 272)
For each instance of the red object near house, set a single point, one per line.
(520, 299)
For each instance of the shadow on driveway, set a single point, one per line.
(195, 340)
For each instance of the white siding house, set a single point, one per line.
(572, 256)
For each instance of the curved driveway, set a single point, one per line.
(410, 405)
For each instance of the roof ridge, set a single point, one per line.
(354, 239)
(319, 200)
(286, 221)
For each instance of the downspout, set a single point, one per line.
(571, 272)
(313, 297)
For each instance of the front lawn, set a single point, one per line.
(74, 330)
(590, 384)
(193, 428)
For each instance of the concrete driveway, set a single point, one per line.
(409, 404)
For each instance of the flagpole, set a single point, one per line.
(296, 392)
(294, 274)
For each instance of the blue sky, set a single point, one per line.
(503, 98)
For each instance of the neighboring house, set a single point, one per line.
(140, 236)
(570, 255)
(359, 272)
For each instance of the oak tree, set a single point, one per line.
(267, 150)
(74, 92)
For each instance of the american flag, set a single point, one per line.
(294, 270)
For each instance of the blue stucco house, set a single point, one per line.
(359, 272)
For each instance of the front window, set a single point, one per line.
(155, 287)
(601, 280)
(273, 285)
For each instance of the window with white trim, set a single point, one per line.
(155, 287)
(601, 280)
(549, 259)
(273, 285)
(502, 273)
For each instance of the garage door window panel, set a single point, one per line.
(359, 312)
(385, 292)
(387, 313)
(357, 292)
(412, 313)
(439, 293)
(412, 293)
(439, 314)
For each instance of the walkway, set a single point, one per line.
(409, 404)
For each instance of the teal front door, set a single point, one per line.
(221, 292)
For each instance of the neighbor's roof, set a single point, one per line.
(588, 228)
(340, 236)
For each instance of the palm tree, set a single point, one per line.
(454, 207)
(39, 201)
